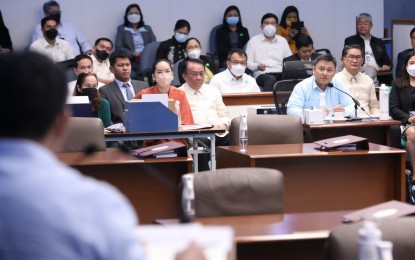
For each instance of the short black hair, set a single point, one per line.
(33, 91)
(240, 52)
(104, 39)
(49, 4)
(269, 15)
(118, 54)
(189, 39)
(46, 19)
(352, 46)
(126, 22)
(325, 57)
(80, 57)
(181, 24)
(157, 62)
(185, 64)
(412, 32)
(303, 40)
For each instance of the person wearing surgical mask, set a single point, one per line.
(266, 52)
(234, 79)
(402, 108)
(174, 49)
(231, 34)
(87, 85)
(49, 45)
(133, 36)
(285, 29)
(163, 76)
(193, 51)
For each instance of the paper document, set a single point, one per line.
(162, 98)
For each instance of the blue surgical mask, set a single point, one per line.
(233, 20)
(180, 37)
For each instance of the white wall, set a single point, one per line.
(328, 21)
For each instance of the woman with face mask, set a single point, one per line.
(87, 85)
(163, 76)
(174, 49)
(193, 51)
(133, 36)
(231, 34)
(285, 29)
(402, 108)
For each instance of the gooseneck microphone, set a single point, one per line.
(356, 103)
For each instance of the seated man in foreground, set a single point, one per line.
(306, 94)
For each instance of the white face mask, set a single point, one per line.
(133, 18)
(237, 70)
(194, 54)
(164, 79)
(411, 70)
(269, 30)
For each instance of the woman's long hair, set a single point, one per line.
(288, 10)
(96, 102)
(404, 76)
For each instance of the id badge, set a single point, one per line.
(367, 58)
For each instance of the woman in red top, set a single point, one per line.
(163, 76)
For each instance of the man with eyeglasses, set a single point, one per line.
(376, 57)
(206, 104)
(234, 79)
(67, 31)
(360, 85)
(306, 94)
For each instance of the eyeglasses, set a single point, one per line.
(352, 58)
(235, 62)
(323, 69)
(195, 74)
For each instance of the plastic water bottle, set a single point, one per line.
(385, 250)
(384, 102)
(188, 197)
(322, 104)
(179, 115)
(243, 133)
(369, 238)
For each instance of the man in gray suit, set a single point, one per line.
(123, 88)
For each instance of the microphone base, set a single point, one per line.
(354, 119)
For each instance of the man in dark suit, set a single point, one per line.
(123, 88)
(376, 57)
(402, 55)
(305, 48)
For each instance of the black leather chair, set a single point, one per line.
(285, 86)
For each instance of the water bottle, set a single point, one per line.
(179, 115)
(369, 238)
(322, 104)
(384, 102)
(188, 197)
(385, 250)
(243, 133)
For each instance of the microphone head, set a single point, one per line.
(330, 85)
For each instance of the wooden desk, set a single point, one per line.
(256, 98)
(279, 236)
(375, 131)
(326, 181)
(136, 179)
(195, 134)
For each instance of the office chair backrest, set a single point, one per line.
(212, 39)
(238, 191)
(323, 51)
(148, 57)
(269, 129)
(176, 78)
(298, 69)
(281, 91)
(84, 132)
(342, 242)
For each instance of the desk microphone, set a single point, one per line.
(356, 103)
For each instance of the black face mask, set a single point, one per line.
(90, 92)
(101, 54)
(51, 34)
(57, 17)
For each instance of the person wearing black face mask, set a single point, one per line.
(67, 31)
(87, 85)
(100, 53)
(56, 49)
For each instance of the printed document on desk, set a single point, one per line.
(162, 98)
(196, 127)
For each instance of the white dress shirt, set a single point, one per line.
(271, 53)
(207, 105)
(225, 82)
(102, 69)
(61, 51)
(68, 32)
(362, 88)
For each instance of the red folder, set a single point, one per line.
(163, 150)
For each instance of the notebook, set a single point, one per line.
(163, 150)
(343, 143)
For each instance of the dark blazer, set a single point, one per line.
(112, 93)
(400, 102)
(125, 42)
(401, 58)
(223, 42)
(171, 50)
(295, 57)
(378, 48)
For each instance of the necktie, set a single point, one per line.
(130, 94)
